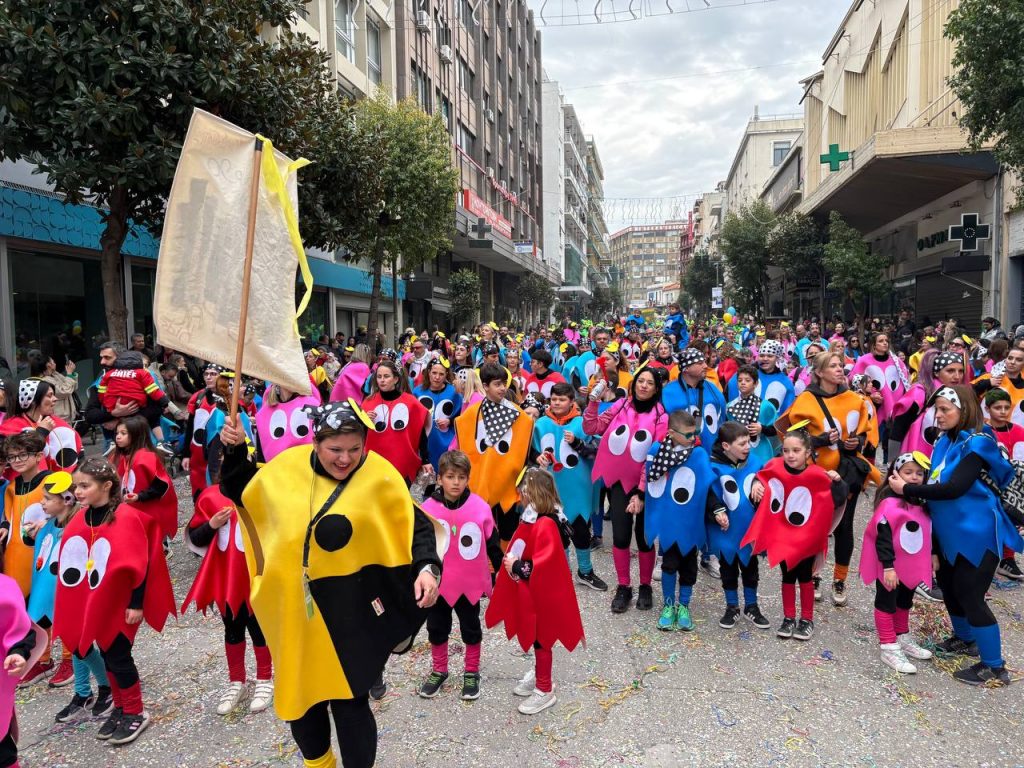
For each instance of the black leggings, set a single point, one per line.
(803, 572)
(353, 720)
(844, 532)
(119, 662)
(964, 587)
(506, 522)
(439, 621)
(624, 525)
(581, 533)
(674, 561)
(8, 751)
(731, 572)
(235, 626)
(888, 600)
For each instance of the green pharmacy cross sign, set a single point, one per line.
(834, 157)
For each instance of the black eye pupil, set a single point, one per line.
(503, 446)
(72, 576)
(399, 424)
(620, 430)
(303, 430)
(730, 486)
(681, 495)
(796, 518)
(913, 526)
(641, 435)
(447, 409)
(466, 541)
(94, 579)
(572, 461)
(278, 432)
(776, 506)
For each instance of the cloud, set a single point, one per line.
(665, 123)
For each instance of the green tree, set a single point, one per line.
(853, 269)
(464, 289)
(602, 300)
(698, 280)
(408, 172)
(537, 296)
(99, 94)
(989, 59)
(744, 246)
(796, 244)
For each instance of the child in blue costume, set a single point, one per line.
(677, 498)
(773, 385)
(697, 395)
(971, 528)
(755, 414)
(735, 466)
(438, 395)
(571, 462)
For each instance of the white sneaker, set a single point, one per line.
(231, 698)
(910, 647)
(892, 656)
(525, 686)
(657, 570)
(712, 567)
(538, 702)
(262, 695)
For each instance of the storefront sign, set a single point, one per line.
(525, 248)
(933, 240)
(716, 297)
(476, 206)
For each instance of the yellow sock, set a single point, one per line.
(840, 572)
(324, 761)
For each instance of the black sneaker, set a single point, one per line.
(954, 646)
(753, 613)
(592, 580)
(76, 710)
(128, 729)
(623, 597)
(728, 621)
(104, 702)
(379, 688)
(645, 598)
(982, 674)
(596, 542)
(932, 593)
(803, 630)
(432, 685)
(471, 686)
(110, 724)
(1009, 569)
(786, 628)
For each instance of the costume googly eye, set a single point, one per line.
(504, 444)
(427, 403)
(379, 417)
(711, 417)
(71, 566)
(877, 376)
(683, 483)
(590, 369)
(481, 437)
(640, 444)
(223, 537)
(748, 484)
(567, 455)
(775, 393)
(444, 409)
(100, 555)
(130, 481)
(798, 506)
(547, 443)
(618, 440)
(1017, 417)
(299, 424)
(470, 540)
(447, 535)
(892, 378)
(517, 548)
(199, 422)
(45, 549)
(400, 417)
(656, 488)
(776, 495)
(546, 387)
(238, 538)
(730, 492)
(911, 537)
(34, 513)
(278, 424)
(62, 447)
(852, 422)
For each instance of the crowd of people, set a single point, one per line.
(726, 447)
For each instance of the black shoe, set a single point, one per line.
(753, 613)
(954, 646)
(592, 580)
(432, 685)
(786, 628)
(623, 597)
(471, 686)
(104, 702)
(645, 598)
(110, 724)
(803, 630)
(128, 729)
(607, 515)
(728, 621)
(76, 710)
(379, 688)
(931, 593)
(1009, 569)
(596, 542)
(982, 674)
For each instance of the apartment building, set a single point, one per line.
(599, 258)
(647, 256)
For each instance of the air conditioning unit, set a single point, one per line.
(490, 115)
(504, 184)
(446, 53)
(489, 171)
(422, 21)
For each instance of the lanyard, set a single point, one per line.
(307, 595)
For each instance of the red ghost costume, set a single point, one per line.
(223, 576)
(137, 474)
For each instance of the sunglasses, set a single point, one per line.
(685, 435)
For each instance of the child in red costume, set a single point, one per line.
(145, 483)
(534, 594)
(111, 575)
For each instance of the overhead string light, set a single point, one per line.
(620, 11)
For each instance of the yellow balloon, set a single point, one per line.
(727, 318)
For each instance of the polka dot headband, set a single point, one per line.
(27, 389)
(944, 359)
(690, 356)
(771, 347)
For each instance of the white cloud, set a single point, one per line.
(677, 136)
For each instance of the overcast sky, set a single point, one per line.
(667, 137)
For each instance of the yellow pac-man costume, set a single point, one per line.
(359, 560)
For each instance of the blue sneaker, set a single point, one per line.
(683, 620)
(667, 620)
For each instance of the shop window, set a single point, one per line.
(313, 322)
(143, 283)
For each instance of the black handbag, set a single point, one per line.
(853, 468)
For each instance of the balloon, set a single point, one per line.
(727, 318)
(732, 310)
(735, 320)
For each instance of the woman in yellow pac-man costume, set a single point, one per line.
(343, 565)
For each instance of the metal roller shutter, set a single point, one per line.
(940, 298)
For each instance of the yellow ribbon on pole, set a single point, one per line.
(275, 184)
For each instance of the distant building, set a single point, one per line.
(647, 256)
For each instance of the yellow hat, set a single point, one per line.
(798, 425)
(58, 482)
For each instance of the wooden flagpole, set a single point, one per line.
(250, 237)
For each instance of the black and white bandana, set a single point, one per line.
(771, 347)
(213, 367)
(669, 456)
(857, 381)
(745, 410)
(498, 419)
(946, 358)
(531, 401)
(690, 356)
(333, 415)
(27, 389)
(949, 394)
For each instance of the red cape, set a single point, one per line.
(146, 467)
(90, 604)
(795, 516)
(542, 609)
(223, 576)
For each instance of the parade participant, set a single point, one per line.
(813, 337)
(756, 415)
(971, 528)
(400, 422)
(112, 575)
(631, 348)
(1011, 437)
(463, 354)
(772, 384)
(21, 643)
(193, 450)
(563, 448)
(64, 385)
(693, 392)
(664, 362)
(675, 327)
(533, 594)
(1010, 379)
(215, 533)
(838, 422)
(357, 540)
(735, 468)
(913, 417)
(443, 403)
(797, 539)
(23, 509)
(495, 434)
(629, 428)
(129, 382)
(281, 422)
(145, 483)
(541, 377)
(588, 364)
(419, 358)
(887, 374)
(353, 375)
(928, 342)
(897, 556)
(513, 362)
(474, 551)
(32, 409)
(213, 450)
(676, 498)
(314, 364)
(468, 386)
(614, 372)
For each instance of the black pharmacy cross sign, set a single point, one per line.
(969, 231)
(481, 228)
